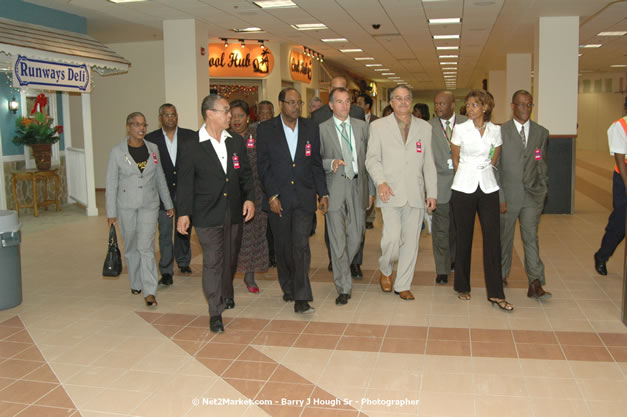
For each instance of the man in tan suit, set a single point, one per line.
(400, 163)
(343, 144)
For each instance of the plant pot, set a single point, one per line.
(42, 154)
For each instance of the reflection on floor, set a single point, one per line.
(81, 344)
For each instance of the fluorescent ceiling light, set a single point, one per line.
(618, 66)
(310, 26)
(348, 51)
(374, 65)
(449, 68)
(450, 76)
(448, 56)
(449, 72)
(364, 58)
(394, 78)
(448, 63)
(274, 4)
(248, 30)
(591, 45)
(445, 21)
(382, 69)
(611, 33)
(447, 48)
(388, 73)
(445, 37)
(125, 1)
(334, 40)
(579, 54)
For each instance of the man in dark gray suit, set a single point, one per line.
(523, 179)
(343, 143)
(443, 227)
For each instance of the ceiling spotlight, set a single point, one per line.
(226, 42)
(262, 44)
(243, 44)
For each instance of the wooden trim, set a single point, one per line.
(562, 136)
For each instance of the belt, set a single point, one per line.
(354, 178)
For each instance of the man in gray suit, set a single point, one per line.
(343, 143)
(443, 227)
(523, 179)
(400, 163)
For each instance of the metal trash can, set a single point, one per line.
(10, 261)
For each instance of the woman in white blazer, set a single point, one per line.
(135, 183)
(476, 146)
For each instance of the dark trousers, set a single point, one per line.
(464, 207)
(291, 249)
(359, 256)
(220, 247)
(270, 240)
(615, 229)
(180, 250)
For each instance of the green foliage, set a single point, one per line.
(36, 130)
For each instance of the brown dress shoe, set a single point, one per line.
(536, 290)
(405, 295)
(386, 283)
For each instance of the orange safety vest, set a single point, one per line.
(623, 123)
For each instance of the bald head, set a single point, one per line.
(444, 104)
(339, 82)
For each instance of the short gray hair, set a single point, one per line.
(209, 102)
(134, 115)
(315, 99)
(405, 86)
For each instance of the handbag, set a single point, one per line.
(113, 261)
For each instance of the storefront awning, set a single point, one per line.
(42, 42)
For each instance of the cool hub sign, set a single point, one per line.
(47, 75)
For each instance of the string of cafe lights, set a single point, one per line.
(242, 42)
(313, 54)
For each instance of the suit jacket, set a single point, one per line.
(330, 149)
(169, 169)
(129, 188)
(295, 181)
(408, 172)
(519, 170)
(373, 117)
(324, 113)
(205, 191)
(441, 155)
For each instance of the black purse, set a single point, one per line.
(113, 261)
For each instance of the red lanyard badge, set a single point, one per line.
(235, 161)
(308, 149)
(419, 147)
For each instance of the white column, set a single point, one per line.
(186, 70)
(556, 71)
(517, 77)
(67, 125)
(90, 177)
(496, 87)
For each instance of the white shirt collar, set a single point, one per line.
(519, 125)
(203, 135)
(286, 126)
(451, 120)
(338, 122)
(176, 132)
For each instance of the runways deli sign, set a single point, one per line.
(49, 75)
(235, 61)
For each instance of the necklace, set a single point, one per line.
(480, 127)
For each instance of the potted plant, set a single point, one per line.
(38, 133)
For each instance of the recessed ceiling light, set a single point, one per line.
(447, 48)
(449, 72)
(591, 45)
(374, 65)
(248, 30)
(348, 51)
(274, 4)
(448, 56)
(449, 68)
(445, 21)
(388, 73)
(579, 54)
(450, 76)
(445, 37)
(125, 1)
(448, 63)
(334, 40)
(382, 69)
(611, 33)
(310, 26)
(618, 66)
(364, 58)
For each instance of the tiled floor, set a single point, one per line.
(81, 344)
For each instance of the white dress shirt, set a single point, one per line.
(171, 145)
(349, 131)
(523, 126)
(219, 147)
(291, 136)
(617, 138)
(475, 168)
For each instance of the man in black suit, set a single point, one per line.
(291, 174)
(323, 114)
(167, 140)
(216, 191)
(365, 102)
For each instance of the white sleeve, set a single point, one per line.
(617, 139)
(456, 139)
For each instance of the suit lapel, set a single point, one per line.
(213, 156)
(331, 132)
(302, 139)
(280, 136)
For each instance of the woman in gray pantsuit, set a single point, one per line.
(135, 182)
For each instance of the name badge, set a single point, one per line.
(251, 142)
(450, 163)
(308, 149)
(419, 147)
(538, 154)
(154, 158)
(235, 161)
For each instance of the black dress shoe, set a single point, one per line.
(369, 225)
(216, 325)
(330, 267)
(166, 279)
(303, 307)
(135, 292)
(229, 303)
(186, 269)
(356, 271)
(441, 279)
(599, 265)
(288, 297)
(342, 299)
(272, 263)
(452, 266)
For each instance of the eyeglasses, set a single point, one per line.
(225, 111)
(293, 102)
(137, 124)
(524, 105)
(167, 115)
